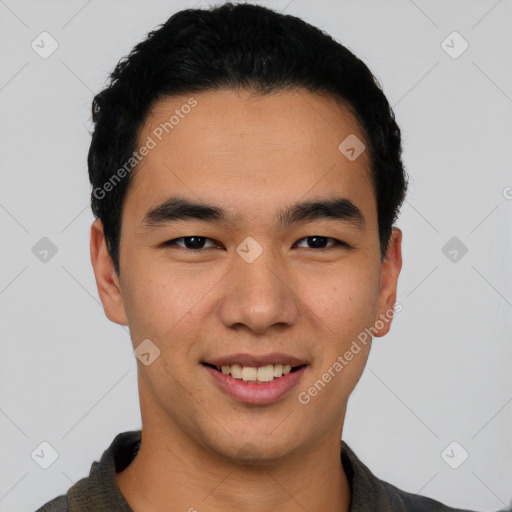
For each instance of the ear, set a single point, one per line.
(390, 270)
(107, 281)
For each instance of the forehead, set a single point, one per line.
(249, 152)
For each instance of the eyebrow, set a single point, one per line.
(178, 208)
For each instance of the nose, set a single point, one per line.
(259, 295)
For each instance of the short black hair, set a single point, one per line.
(228, 47)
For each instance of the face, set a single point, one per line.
(256, 275)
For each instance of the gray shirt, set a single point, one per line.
(99, 491)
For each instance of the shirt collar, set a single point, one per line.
(100, 491)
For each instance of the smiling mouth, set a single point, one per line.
(260, 374)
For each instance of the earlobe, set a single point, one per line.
(107, 280)
(390, 271)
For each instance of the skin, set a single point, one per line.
(251, 155)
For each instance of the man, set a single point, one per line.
(246, 173)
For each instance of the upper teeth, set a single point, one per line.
(253, 374)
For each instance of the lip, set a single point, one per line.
(256, 393)
(256, 360)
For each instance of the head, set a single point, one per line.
(243, 112)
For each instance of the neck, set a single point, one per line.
(171, 468)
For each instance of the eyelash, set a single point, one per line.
(337, 243)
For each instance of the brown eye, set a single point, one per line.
(319, 242)
(189, 242)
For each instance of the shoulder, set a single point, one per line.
(58, 504)
(371, 493)
(415, 502)
(98, 490)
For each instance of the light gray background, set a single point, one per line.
(67, 374)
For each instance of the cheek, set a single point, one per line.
(345, 300)
(342, 315)
(156, 302)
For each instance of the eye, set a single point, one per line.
(190, 242)
(197, 243)
(318, 242)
